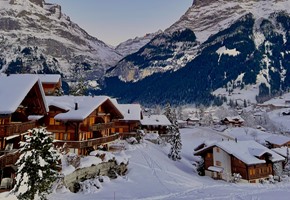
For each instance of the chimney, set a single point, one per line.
(128, 111)
(76, 106)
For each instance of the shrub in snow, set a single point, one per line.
(236, 177)
(73, 159)
(132, 140)
(199, 167)
(37, 166)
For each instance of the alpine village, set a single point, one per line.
(200, 110)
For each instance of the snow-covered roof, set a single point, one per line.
(235, 118)
(49, 78)
(278, 139)
(281, 151)
(86, 105)
(13, 90)
(130, 111)
(246, 151)
(155, 120)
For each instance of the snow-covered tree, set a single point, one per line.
(175, 139)
(37, 166)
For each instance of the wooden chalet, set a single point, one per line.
(84, 123)
(51, 83)
(155, 124)
(276, 141)
(131, 122)
(236, 121)
(250, 159)
(22, 106)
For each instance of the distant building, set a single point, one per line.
(155, 124)
(234, 121)
(276, 141)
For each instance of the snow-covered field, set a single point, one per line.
(152, 175)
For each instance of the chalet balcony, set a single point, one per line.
(16, 128)
(87, 143)
(101, 126)
(8, 158)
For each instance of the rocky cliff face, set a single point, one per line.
(37, 37)
(230, 45)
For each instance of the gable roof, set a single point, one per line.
(246, 151)
(86, 105)
(130, 111)
(49, 78)
(155, 120)
(13, 90)
(278, 139)
(234, 118)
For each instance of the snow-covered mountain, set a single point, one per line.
(216, 44)
(133, 45)
(37, 37)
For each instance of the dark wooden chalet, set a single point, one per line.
(83, 123)
(129, 125)
(250, 159)
(22, 105)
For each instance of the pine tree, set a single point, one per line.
(175, 139)
(37, 166)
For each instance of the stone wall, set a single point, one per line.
(110, 169)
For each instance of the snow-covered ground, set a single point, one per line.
(153, 176)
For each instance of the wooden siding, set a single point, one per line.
(16, 128)
(87, 143)
(9, 159)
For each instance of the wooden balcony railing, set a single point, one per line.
(14, 128)
(87, 143)
(9, 158)
(101, 126)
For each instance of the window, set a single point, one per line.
(208, 155)
(217, 150)
(51, 121)
(252, 172)
(92, 120)
(218, 163)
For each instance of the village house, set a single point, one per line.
(191, 121)
(84, 123)
(130, 124)
(155, 124)
(22, 107)
(250, 159)
(51, 83)
(276, 141)
(236, 121)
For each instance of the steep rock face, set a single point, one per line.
(133, 45)
(37, 37)
(166, 51)
(238, 43)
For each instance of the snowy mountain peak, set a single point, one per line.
(37, 37)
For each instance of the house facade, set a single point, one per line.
(84, 123)
(22, 107)
(248, 158)
(155, 124)
(130, 124)
(235, 121)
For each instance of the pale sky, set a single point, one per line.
(114, 21)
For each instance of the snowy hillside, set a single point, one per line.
(37, 37)
(152, 175)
